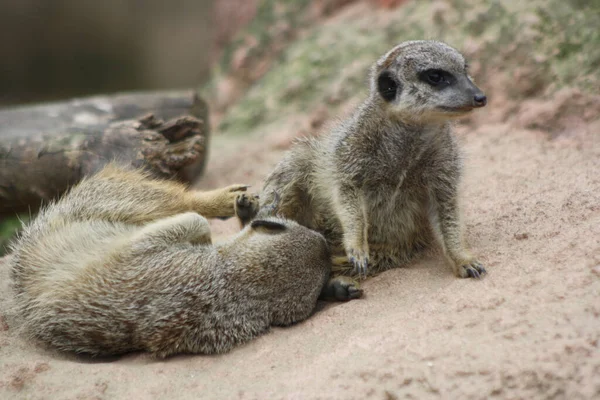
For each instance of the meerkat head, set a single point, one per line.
(278, 238)
(425, 79)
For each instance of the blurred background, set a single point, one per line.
(55, 49)
(52, 49)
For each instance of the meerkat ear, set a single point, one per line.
(268, 225)
(388, 86)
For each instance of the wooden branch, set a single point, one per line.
(45, 149)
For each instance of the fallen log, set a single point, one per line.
(44, 149)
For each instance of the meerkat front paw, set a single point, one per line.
(246, 207)
(226, 199)
(470, 269)
(341, 288)
(359, 258)
(231, 193)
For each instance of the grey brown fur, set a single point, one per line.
(384, 184)
(124, 262)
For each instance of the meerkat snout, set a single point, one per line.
(480, 100)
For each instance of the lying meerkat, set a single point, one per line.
(124, 262)
(384, 184)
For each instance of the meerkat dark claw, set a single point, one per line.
(475, 270)
(479, 267)
(472, 273)
(354, 262)
(364, 267)
(361, 266)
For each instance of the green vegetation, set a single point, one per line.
(262, 29)
(546, 44)
(8, 228)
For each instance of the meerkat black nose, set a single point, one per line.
(479, 100)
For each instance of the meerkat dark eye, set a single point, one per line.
(387, 86)
(436, 77)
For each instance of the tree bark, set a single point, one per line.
(44, 149)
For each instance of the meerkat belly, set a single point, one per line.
(324, 218)
(58, 257)
(398, 228)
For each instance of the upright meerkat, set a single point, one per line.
(123, 262)
(385, 182)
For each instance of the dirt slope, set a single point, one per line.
(530, 329)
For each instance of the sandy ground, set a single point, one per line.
(530, 329)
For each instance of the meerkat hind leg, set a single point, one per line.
(341, 288)
(185, 227)
(131, 196)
